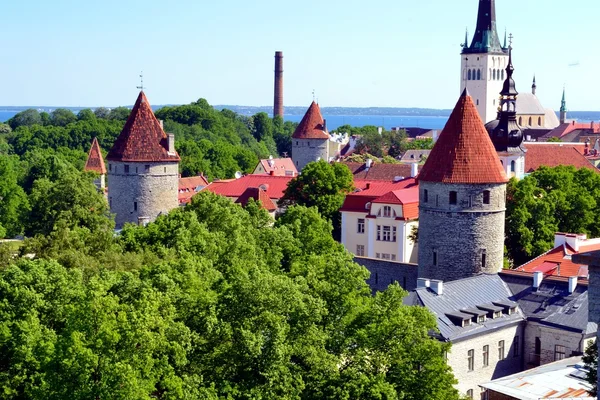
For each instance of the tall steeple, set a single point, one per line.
(533, 86)
(563, 108)
(505, 132)
(485, 39)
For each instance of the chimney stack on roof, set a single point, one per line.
(414, 169)
(537, 279)
(572, 284)
(171, 143)
(422, 283)
(437, 286)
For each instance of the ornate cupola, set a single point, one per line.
(505, 132)
(485, 39)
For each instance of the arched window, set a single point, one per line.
(513, 166)
(452, 198)
(469, 75)
(530, 121)
(494, 74)
(520, 120)
(387, 211)
(502, 74)
(539, 121)
(478, 74)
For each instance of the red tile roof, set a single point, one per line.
(279, 166)
(464, 152)
(554, 154)
(568, 127)
(312, 125)
(257, 194)
(142, 138)
(368, 192)
(548, 262)
(379, 171)
(273, 185)
(95, 162)
(188, 186)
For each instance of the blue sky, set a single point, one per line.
(395, 53)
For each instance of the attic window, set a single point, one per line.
(452, 197)
(497, 314)
(147, 168)
(466, 322)
(512, 310)
(481, 319)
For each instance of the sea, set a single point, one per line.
(387, 122)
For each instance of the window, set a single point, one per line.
(483, 259)
(538, 346)
(471, 359)
(110, 167)
(486, 197)
(481, 319)
(539, 121)
(501, 350)
(477, 102)
(135, 206)
(494, 74)
(453, 197)
(165, 170)
(360, 250)
(378, 232)
(387, 211)
(513, 166)
(394, 259)
(435, 257)
(385, 256)
(529, 121)
(377, 255)
(296, 143)
(386, 233)
(147, 168)
(469, 75)
(559, 352)
(478, 74)
(520, 120)
(486, 355)
(126, 169)
(516, 346)
(425, 196)
(361, 225)
(470, 393)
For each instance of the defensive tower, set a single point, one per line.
(95, 163)
(310, 141)
(462, 191)
(143, 168)
(483, 62)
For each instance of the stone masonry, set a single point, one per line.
(141, 191)
(463, 239)
(309, 150)
(384, 273)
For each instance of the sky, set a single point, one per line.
(378, 53)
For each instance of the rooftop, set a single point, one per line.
(257, 194)
(274, 186)
(312, 125)
(379, 171)
(95, 162)
(278, 166)
(555, 154)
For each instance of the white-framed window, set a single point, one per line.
(385, 256)
(360, 250)
(470, 393)
(387, 211)
(560, 352)
(486, 355)
(501, 350)
(360, 228)
(471, 360)
(386, 233)
(377, 255)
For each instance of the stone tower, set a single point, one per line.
(563, 109)
(483, 62)
(95, 163)
(143, 168)
(462, 191)
(310, 141)
(505, 132)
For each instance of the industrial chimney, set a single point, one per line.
(278, 97)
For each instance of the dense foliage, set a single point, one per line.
(559, 199)
(590, 359)
(211, 301)
(386, 143)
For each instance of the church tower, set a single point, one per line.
(462, 192)
(143, 168)
(310, 141)
(483, 62)
(505, 132)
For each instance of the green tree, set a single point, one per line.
(263, 126)
(102, 112)
(119, 113)
(590, 358)
(86, 115)
(13, 201)
(62, 117)
(28, 117)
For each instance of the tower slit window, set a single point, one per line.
(486, 197)
(483, 259)
(435, 260)
(425, 196)
(126, 168)
(452, 197)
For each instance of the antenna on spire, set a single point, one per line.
(141, 87)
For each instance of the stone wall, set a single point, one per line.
(309, 150)
(383, 273)
(453, 238)
(140, 195)
(574, 343)
(511, 364)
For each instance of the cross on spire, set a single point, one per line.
(141, 87)
(510, 39)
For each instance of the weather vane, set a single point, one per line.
(141, 87)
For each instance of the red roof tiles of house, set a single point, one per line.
(369, 191)
(189, 186)
(379, 171)
(257, 194)
(464, 152)
(568, 127)
(554, 154)
(95, 162)
(278, 167)
(273, 185)
(312, 125)
(142, 138)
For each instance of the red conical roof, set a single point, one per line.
(464, 152)
(312, 125)
(142, 138)
(95, 162)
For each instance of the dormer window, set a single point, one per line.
(481, 319)
(387, 211)
(466, 322)
(497, 314)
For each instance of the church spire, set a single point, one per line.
(486, 38)
(563, 108)
(533, 86)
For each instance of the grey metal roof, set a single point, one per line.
(467, 293)
(551, 304)
(414, 155)
(529, 104)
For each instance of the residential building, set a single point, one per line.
(260, 195)
(273, 186)
(95, 163)
(277, 167)
(374, 171)
(411, 156)
(189, 186)
(378, 219)
(559, 260)
(555, 154)
(462, 200)
(562, 379)
(143, 168)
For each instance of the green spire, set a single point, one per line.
(504, 38)
(563, 103)
(466, 38)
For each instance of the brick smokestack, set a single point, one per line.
(278, 97)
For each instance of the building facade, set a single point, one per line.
(143, 169)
